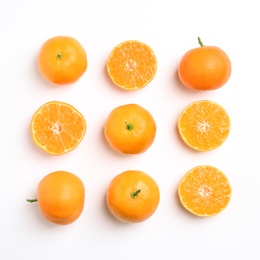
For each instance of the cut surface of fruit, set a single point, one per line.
(204, 191)
(132, 65)
(57, 127)
(133, 196)
(204, 125)
(130, 129)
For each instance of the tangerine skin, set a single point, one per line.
(128, 208)
(61, 197)
(204, 68)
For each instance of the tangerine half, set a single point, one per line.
(204, 125)
(204, 191)
(57, 127)
(131, 65)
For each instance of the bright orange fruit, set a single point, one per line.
(57, 127)
(204, 68)
(132, 65)
(133, 196)
(60, 197)
(204, 191)
(130, 129)
(62, 60)
(204, 125)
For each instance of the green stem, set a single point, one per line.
(59, 56)
(32, 200)
(200, 42)
(134, 194)
(129, 126)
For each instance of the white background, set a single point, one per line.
(171, 28)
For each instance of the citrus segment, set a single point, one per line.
(204, 191)
(132, 65)
(204, 68)
(204, 125)
(133, 196)
(130, 129)
(57, 127)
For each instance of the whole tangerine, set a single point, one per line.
(62, 60)
(130, 129)
(132, 196)
(60, 197)
(204, 68)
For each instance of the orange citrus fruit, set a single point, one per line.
(204, 191)
(130, 129)
(62, 60)
(132, 65)
(204, 125)
(133, 196)
(204, 68)
(60, 196)
(57, 127)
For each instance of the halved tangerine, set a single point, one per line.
(132, 65)
(57, 127)
(204, 125)
(204, 191)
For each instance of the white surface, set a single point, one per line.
(170, 28)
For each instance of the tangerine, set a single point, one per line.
(204, 191)
(57, 127)
(130, 129)
(131, 65)
(204, 68)
(132, 196)
(62, 60)
(204, 125)
(60, 197)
